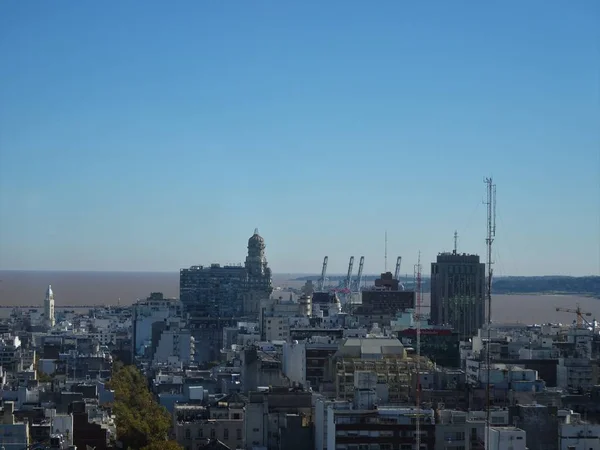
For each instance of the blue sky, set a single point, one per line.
(156, 135)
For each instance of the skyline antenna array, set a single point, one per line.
(418, 380)
(491, 234)
(385, 254)
(455, 241)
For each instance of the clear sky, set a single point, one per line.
(153, 135)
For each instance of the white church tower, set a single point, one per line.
(49, 308)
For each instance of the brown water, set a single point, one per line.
(26, 288)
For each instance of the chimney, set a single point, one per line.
(9, 409)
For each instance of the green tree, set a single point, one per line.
(41, 376)
(169, 445)
(141, 422)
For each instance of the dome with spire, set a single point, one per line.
(49, 293)
(255, 238)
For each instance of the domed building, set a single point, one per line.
(217, 296)
(259, 283)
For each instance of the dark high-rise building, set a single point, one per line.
(213, 291)
(458, 292)
(227, 291)
(216, 296)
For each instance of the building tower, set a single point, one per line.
(259, 283)
(458, 292)
(49, 308)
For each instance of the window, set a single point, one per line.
(225, 433)
(213, 433)
(200, 432)
(188, 433)
(239, 434)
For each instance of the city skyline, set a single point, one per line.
(157, 138)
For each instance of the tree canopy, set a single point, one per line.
(141, 422)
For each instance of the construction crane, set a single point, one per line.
(579, 313)
(398, 263)
(321, 283)
(349, 276)
(358, 280)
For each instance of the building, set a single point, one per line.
(279, 419)
(217, 296)
(440, 345)
(341, 426)
(171, 342)
(577, 434)
(505, 438)
(539, 422)
(275, 317)
(13, 435)
(384, 356)
(325, 304)
(213, 291)
(258, 276)
(195, 424)
(307, 363)
(458, 292)
(49, 308)
(261, 368)
(155, 308)
(227, 291)
(10, 353)
(381, 304)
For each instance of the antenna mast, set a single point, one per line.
(385, 256)
(491, 234)
(455, 241)
(418, 383)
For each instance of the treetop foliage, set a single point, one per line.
(141, 422)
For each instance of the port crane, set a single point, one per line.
(579, 313)
(349, 276)
(358, 280)
(321, 283)
(398, 263)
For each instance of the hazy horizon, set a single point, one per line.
(275, 273)
(109, 288)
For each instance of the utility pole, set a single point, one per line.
(491, 234)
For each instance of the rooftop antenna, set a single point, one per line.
(455, 240)
(385, 257)
(491, 234)
(417, 317)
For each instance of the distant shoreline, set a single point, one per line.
(512, 294)
(549, 293)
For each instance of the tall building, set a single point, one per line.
(458, 292)
(213, 291)
(217, 296)
(258, 275)
(154, 309)
(49, 308)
